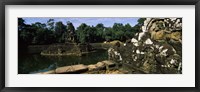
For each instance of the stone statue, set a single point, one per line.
(70, 33)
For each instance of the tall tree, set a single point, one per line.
(50, 24)
(141, 21)
(138, 26)
(108, 34)
(82, 33)
(21, 24)
(99, 32)
(25, 32)
(118, 26)
(128, 31)
(60, 29)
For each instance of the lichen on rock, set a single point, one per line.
(157, 49)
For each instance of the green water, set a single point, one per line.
(35, 63)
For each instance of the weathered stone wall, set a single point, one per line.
(67, 49)
(158, 49)
(163, 28)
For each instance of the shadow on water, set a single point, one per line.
(34, 63)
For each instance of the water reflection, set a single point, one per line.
(34, 63)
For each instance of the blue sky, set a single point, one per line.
(108, 22)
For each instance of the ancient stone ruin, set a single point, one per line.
(70, 34)
(157, 49)
(67, 49)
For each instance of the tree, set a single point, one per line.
(51, 32)
(82, 33)
(141, 21)
(128, 31)
(138, 26)
(127, 27)
(99, 30)
(50, 24)
(119, 30)
(21, 24)
(108, 34)
(118, 27)
(25, 33)
(41, 33)
(60, 29)
(100, 25)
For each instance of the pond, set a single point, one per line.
(35, 63)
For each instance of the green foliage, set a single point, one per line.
(70, 26)
(60, 29)
(81, 33)
(138, 27)
(21, 24)
(118, 27)
(56, 32)
(141, 21)
(50, 24)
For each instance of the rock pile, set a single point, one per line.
(157, 49)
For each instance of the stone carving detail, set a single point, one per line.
(157, 49)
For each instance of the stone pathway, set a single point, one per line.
(77, 69)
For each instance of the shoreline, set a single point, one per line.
(106, 66)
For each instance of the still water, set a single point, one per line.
(34, 63)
